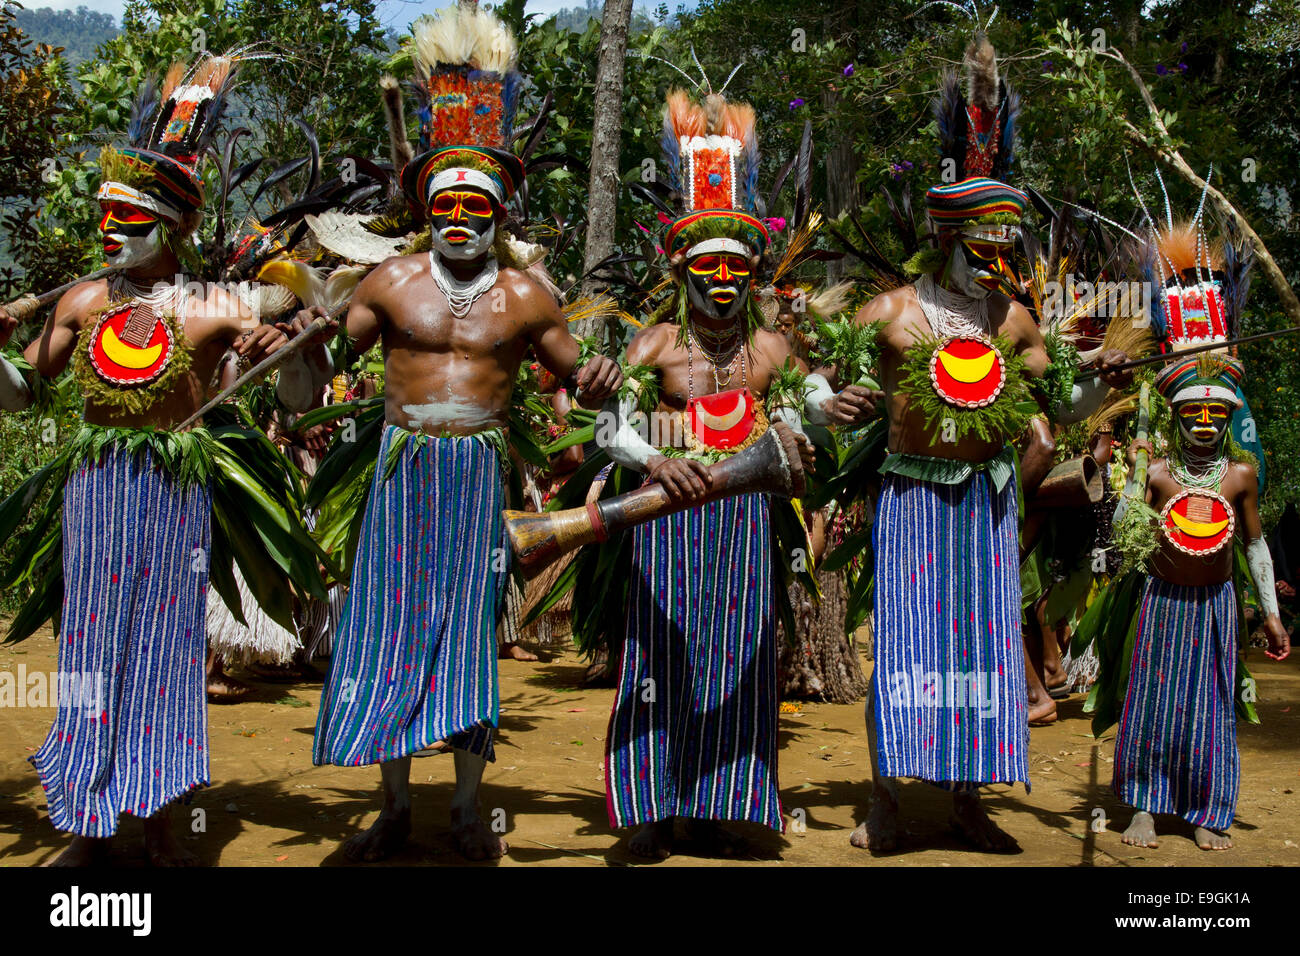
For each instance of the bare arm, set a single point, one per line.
(558, 351)
(53, 349)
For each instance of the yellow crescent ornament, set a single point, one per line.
(125, 355)
(968, 371)
(1197, 529)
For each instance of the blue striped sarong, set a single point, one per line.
(693, 731)
(135, 571)
(1176, 751)
(415, 656)
(949, 675)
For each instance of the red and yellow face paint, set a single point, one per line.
(721, 274)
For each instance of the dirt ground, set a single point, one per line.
(268, 806)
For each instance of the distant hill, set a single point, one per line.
(78, 31)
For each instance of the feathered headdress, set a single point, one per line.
(159, 169)
(1201, 284)
(711, 153)
(977, 141)
(469, 89)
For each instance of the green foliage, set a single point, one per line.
(1001, 420)
(851, 348)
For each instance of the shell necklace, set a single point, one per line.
(461, 296)
(951, 314)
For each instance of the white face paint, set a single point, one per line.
(478, 244)
(132, 237)
(962, 275)
(135, 252)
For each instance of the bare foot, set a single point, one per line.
(515, 652)
(1141, 831)
(161, 844)
(473, 838)
(223, 689)
(716, 840)
(1208, 839)
(970, 819)
(82, 851)
(653, 840)
(385, 837)
(1042, 711)
(879, 832)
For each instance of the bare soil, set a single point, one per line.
(268, 806)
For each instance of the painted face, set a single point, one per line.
(463, 223)
(1203, 423)
(132, 236)
(718, 283)
(982, 261)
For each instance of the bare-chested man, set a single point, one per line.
(415, 657)
(1176, 751)
(947, 697)
(144, 344)
(693, 733)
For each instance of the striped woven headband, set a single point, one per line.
(1216, 377)
(697, 227)
(974, 199)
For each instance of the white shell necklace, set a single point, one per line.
(461, 296)
(951, 314)
(1210, 478)
(161, 297)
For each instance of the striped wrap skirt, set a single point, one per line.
(1176, 751)
(693, 731)
(949, 677)
(415, 656)
(131, 730)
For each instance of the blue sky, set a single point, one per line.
(393, 13)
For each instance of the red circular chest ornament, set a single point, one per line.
(967, 372)
(1198, 521)
(130, 347)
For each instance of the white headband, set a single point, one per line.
(1206, 393)
(719, 244)
(120, 192)
(461, 176)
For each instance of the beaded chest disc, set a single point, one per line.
(1198, 521)
(967, 372)
(131, 346)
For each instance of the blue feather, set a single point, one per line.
(511, 85)
(950, 119)
(1151, 275)
(137, 130)
(750, 182)
(672, 151)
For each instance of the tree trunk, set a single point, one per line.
(841, 180)
(602, 197)
(820, 663)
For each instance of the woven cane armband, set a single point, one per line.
(15, 393)
(621, 439)
(1261, 569)
(819, 390)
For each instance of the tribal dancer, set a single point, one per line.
(415, 657)
(139, 537)
(1176, 751)
(958, 356)
(693, 731)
